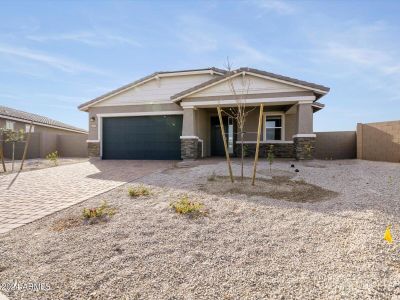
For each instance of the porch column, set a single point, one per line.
(189, 138)
(304, 139)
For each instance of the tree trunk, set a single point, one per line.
(241, 140)
(13, 152)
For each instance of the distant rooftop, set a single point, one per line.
(37, 119)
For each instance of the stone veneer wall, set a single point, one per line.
(93, 149)
(281, 150)
(300, 145)
(190, 148)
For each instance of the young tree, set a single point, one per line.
(270, 157)
(13, 137)
(239, 112)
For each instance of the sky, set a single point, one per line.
(55, 55)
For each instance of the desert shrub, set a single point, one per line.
(270, 156)
(185, 206)
(97, 214)
(139, 191)
(308, 149)
(53, 157)
(245, 150)
(212, 177)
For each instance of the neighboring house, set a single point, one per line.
(47, 134)
(173, 115)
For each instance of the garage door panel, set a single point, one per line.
(142, 137)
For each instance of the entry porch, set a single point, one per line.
(288, 127)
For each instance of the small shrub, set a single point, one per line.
(97, 214)
(245, 150)
(185, 206)
(270, 156)
(212, 177)
(309, 149)
(53, 157)
(138, 191)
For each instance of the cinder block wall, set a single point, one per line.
(72, 145)
(336, 145)
(379, 141)
(42, 143)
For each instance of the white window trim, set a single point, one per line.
(10, 125)
(274, 114)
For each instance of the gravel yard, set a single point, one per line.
(246, 247)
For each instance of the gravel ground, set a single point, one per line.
(245, 248)
(38, 163)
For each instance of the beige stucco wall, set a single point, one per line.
(93, 111)
(291, 126)
(251, 125)
(72, 145)
(204, 129)
(379, 141)
(47, 139)
(304, 118)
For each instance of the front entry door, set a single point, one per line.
(217, 143)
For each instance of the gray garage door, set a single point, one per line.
(143, 137)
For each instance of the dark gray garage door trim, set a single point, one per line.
(124, 115)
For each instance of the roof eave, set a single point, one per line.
(319, 90)
(85, 106)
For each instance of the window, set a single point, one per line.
(10, 125)
(230, 135)
(27, 127)
(274, 128)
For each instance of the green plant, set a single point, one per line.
(139, 191)
(13, 137)
(245, 150)
(212, 177)
(308, 149)
(270, 156)
(96, 214)
(185, 206)
(53, 157)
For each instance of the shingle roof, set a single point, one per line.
(29, 117)
(144, 79)
(255, 71)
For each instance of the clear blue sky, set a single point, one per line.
(55, 55)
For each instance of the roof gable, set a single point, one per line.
(155, 76)
(265, 83)
(249, 84)
(156, 90)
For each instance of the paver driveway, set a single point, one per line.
(29, 196)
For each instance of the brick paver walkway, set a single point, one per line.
(29, 196)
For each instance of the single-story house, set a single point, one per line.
(14, 119)
(47, 135)
(173, 115)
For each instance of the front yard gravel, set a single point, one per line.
(245, 248)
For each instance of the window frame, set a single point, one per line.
(10, 125)
(283, 122)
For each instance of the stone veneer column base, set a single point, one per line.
(303, 147)
(281, 150)
(93, 149)
(190, 148)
